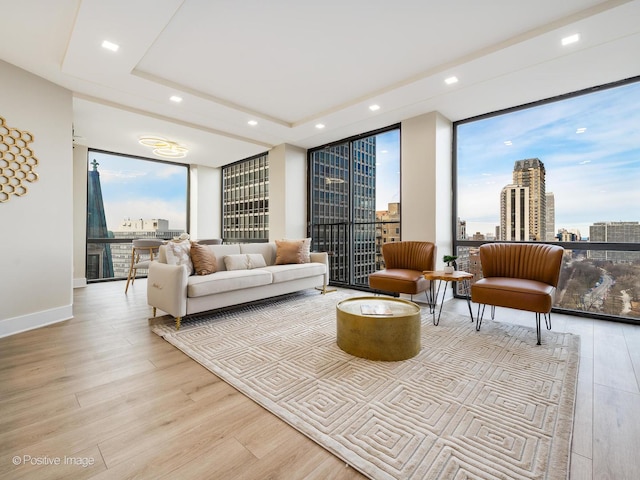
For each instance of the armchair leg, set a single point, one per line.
(178, 322)
(493, 312)
(479, 317)
(547, 320)
(154, 312)
(538, 333)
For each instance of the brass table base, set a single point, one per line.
(391, 337)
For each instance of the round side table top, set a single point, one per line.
(447, 277)
(360, 305)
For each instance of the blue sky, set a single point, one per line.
(594, 175)
(387, 168)
(135, 189)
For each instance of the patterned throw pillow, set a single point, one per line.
(306, 248)
(290, 251)
(179, 253)
(204, 261)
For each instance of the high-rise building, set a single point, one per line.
(387, 230)
(551, 217)
(530, 173)
(523, 213)
(515, 213)
(615, 232)
(344, 176)
(462, 229)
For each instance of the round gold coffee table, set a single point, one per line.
(378, 328)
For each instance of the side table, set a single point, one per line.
(443, 277)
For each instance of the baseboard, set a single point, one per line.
(11, 326)
(79, 282)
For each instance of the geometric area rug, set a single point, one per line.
(478, 405)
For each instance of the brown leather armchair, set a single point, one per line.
(523, 276)
(404, 264)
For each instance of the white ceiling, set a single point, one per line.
(290, 64)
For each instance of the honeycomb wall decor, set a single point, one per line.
(17, 162)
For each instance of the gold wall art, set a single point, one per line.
(17, 162)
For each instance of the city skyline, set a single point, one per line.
(589, 144)
(141, 189)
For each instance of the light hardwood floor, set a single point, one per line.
(102, 390)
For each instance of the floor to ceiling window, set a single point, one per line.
(354, 203)
(127, 198)
(565, 171)
(245, 200)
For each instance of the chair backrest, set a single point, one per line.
(210, 241)
(147, 242)
(531, 261)
(411, 255)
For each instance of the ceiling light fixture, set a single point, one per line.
(508, 143)
(451, 80)
(373, 108)
(164, 148)
(253, 123)
(570, 39)
(319, 126)
(581, 130)
(175, 98)
(110, 46)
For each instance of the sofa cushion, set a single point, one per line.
(244, 261)
(199, 286)
(294, 271)
(203, 259)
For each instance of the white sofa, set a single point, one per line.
(173, 290)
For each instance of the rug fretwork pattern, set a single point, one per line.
(485, 405)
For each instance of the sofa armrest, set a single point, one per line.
(321, 257)
(167, 288)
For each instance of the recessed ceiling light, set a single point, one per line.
(175, 98)
(253, 123)
(571, 39)
(451, 80)
(581, 130)
(373, 108)
(110, 46)
(508, 143)
(319, 126)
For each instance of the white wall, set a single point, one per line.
(287, 192)
(37, 228)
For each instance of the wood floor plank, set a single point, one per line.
(104, 386)
(583, 418)
(612, 364)
(616, 433)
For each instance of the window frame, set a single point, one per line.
(580, 245)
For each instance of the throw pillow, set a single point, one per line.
(179, 253)
(204, 261)
(306, 248)
(244, 261)
(288, 251)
